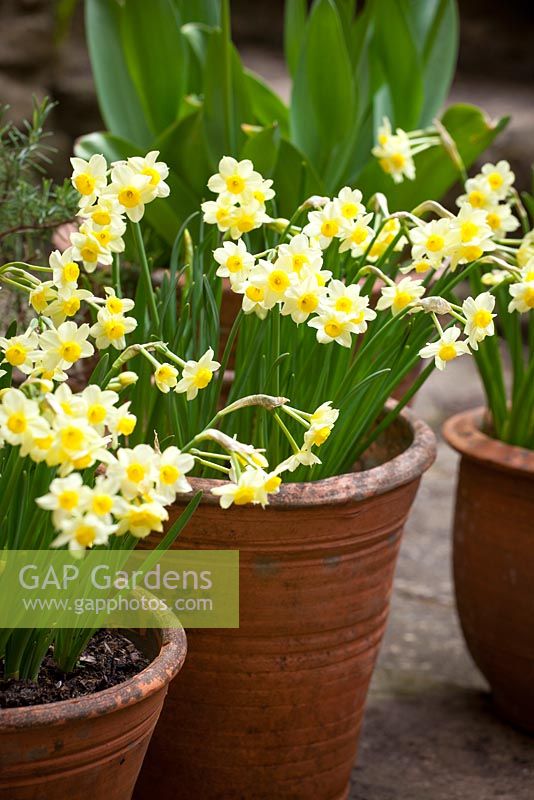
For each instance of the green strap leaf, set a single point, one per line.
(323, 100)
(267, 107)
(156, 56)
(435, 29)
(295, 16)
(262, 148)
(401, 62)
(119, 103)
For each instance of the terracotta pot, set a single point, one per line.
(91, 747)
(273, 709)
(494, 562)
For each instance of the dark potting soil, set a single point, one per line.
(109, 659)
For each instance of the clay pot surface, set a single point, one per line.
(273, 709)
(92, 747)
(494, 562)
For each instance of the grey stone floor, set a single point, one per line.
(430, 732)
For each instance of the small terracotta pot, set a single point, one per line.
(494, 562)
(93, 746)
(273, 709)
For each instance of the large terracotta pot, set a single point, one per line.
(273, 709)
(90, 748)
(494, 562)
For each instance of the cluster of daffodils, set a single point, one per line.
(395, 151)
(75, 432)
(241, 197)
(250, 478)
(301, 276)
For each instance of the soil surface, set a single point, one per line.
(109, 659)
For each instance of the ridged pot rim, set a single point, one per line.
(464, 433)
(350, 487)
(149, 681)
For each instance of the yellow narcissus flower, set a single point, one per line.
(235, 180)
(401, 295)
(133, 472)
(501, 219)
(20, 351)
(197, 375)
(166, 377)
(172, 466)
(247, 218)
(248, 489)
(477, 193)
(356, 235)
(140, 519)
(273, 281)
(157, 171)
(66, 271)
(479, 316)
(89, 177)
(218, 212)
(325, 224)
(430, 241)
(300, 255)
(121, 422)
(64, 346)
(87, 248)
(343, 299)
(64, 497)
(20, 418)
(106, 212)
(446, 349)
(131, 189)
(499, 178)
(393, 151)
(522, 294)
(82, 532)
(350, 203)
(111, 329)
(333, 326)
(41, 296)
(96, 405)
(67, 303)
(235, 262)
(302, 299)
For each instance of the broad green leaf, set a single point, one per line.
(206, 12)
(295, 16)
(262, 148)
(226, 98)
(156, 55)
(119, 103)
(267, 107)
(183, 147)
(401, 62)
(436, 173)
(163, 215)
(435, 28)
(294, 179)
(323, 101)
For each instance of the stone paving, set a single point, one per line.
(430, 732)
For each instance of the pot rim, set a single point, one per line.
(152, 679)
(464, 434)
(352, 486)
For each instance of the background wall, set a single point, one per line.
(495, 68)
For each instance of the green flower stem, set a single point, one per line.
(290, 439)
(116, 274)
(145, 270)
(212, 465)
